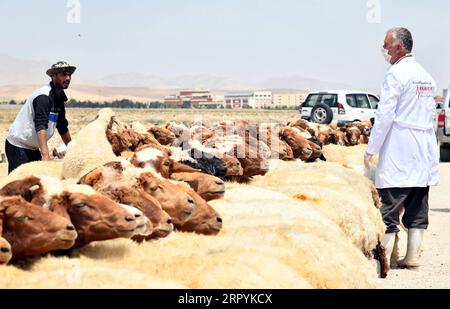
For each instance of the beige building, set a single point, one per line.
(288, 99)
(255, 99)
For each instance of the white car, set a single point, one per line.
(339, 106)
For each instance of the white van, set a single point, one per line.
(339, 106)
(443, 128)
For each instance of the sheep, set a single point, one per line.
(259, 251)
(214, 167)
(90, 147)
(59, 152)
(32, 230)
(279, 148)
(5, 251)
(82, 272)
(95, 216)
(290, 250)
(316, 147)
(198, 262)
(109, 180)
(50, 168)
(353, 135)
(299, 144)
(341, 193)
(234, 167)
(245, 211)
(206, 162)
(207, 186)
(152, 158)
(177, 204)
(122, 264)
(252, 162)
(351, 157)
(144, 226)
(162, 135)
(182, 134)
(204, 220)
(162, 223)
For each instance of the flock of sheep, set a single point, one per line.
(128, 206)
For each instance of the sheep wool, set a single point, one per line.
(49, 168)
(89, 148)
(341, 193)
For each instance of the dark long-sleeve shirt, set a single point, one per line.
(44, 105)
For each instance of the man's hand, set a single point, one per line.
(46, 158)
(66, 138)
(367, 158)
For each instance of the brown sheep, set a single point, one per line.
(176, 203)
(150, 157)
(299, 144)
(95, 216)
(352, 136)
(207, 186)
(163, 136)
(279, 148)
(252, 163)
(121, 193)
(5, 251)
(204, 220)
(234, 167)
(162, 223)
(337, 137)
(32, 230)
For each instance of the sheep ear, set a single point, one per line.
(193, 184)
(91, 178)
(177, 167)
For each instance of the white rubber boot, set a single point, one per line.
(415, 238)
(390, 243)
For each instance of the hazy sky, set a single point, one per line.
(248, 40)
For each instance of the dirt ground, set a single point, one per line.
(435, 272)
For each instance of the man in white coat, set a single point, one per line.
(404, 138)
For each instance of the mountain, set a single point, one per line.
(14, 71)
(19, 77)
(184, 81)
(217, 82)
(300, 82)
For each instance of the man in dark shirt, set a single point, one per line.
(37, 120)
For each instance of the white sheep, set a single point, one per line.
(83, 272)
(89, 148)
(182, 262)
(344, 195)
(49, 168)
(298, 248)
(295, 232)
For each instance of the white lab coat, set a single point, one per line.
(403, 133)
